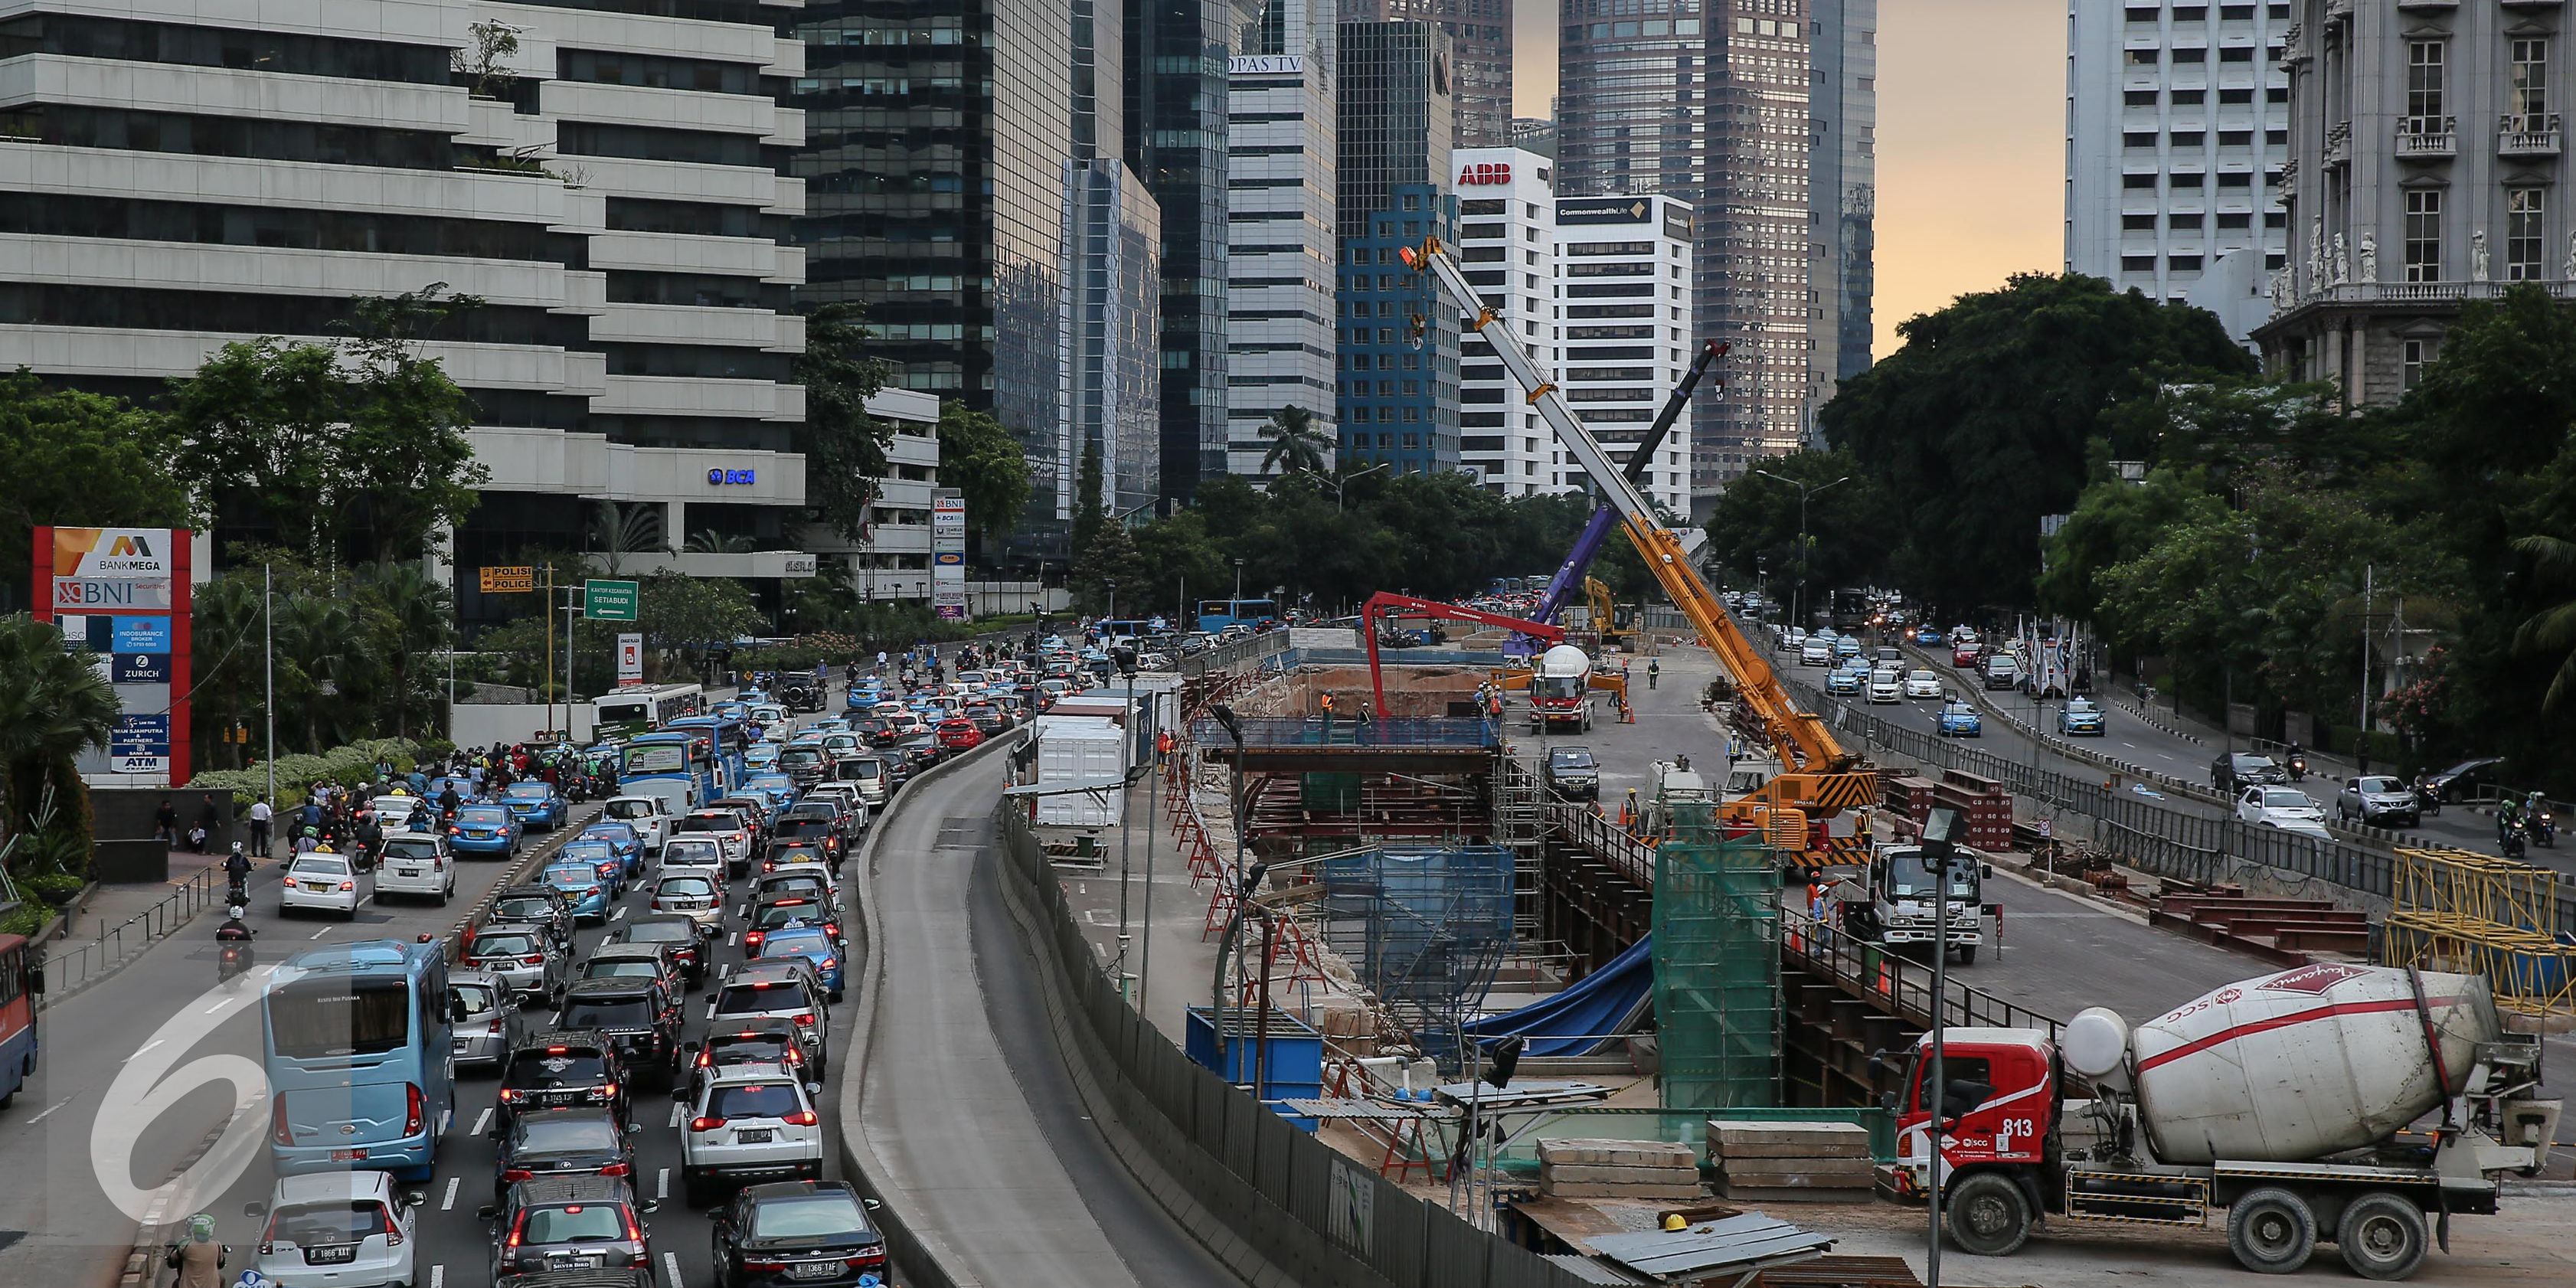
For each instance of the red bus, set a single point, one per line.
(21, 980)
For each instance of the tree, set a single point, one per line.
(983, 460)
(689, 616)
(1088, 511)
(53, 706)
(708, 541)
(2553, 629)
(80, 460)
(1983, 422)
(1850, 526)
(1111, 556)
(844, 446)
(415, 617)
(1295, 444)
(621, 530)
(2114, 522)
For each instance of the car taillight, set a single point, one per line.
(705, 1124)
(495, 1027)
(278, 1130)
(616, 1169)
(516, 1231)
(872, 1257)
(509, 1094)
(805, 1018)
(348, 885)
(415, 1108)
(765, 1267)
(635, 1234)
(607, 1091)
(706, 1058)
(827, 963)
(832, 930)
(392, 1230)
(801, 1118)
(532, 961)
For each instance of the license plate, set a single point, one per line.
(814, 1270)
(347, 1155)
(317, 887)
(460, 1046)
(572, 1263)
(761, 1137)
(336, 1254)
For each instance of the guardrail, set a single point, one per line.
(72, 964)
(1226, 657)
(1904, 985)
(1262, 733)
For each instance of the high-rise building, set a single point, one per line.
(1281, 251)
(2177, 129)
(1394, 117)
(2428, 167)
(1399, 396)
(1707, 101)
(1480, 32)
(1110, 318)
(1176, 139)
(1532, 134)
(1842, 188)
(1507, 250)
(1619, 262)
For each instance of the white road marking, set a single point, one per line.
(216, 1007)
(437, 1276)
(448, 1202)
(485, 1120)
(138, 1051)
(619, 915)
(323, 931)
(676, 1109)
(49, 1109)
(711, 1010)
(731, 936)
(662, 1178)
(671, 1266)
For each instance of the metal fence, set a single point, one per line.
(1229, 656)
(1903, 985)
(1262, 733)
(75, 961)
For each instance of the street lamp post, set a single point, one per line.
(1238, 584)
(1940, 849)
(1798, 613)
(1341, 481)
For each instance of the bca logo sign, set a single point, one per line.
(1485, 173)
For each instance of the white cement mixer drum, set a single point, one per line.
(2305, 1062)
(2095, 1042)
(1564, 659)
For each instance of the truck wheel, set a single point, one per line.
(1968, 954)
(1987, 1216)
(2382, 1236)
(2271, 1231)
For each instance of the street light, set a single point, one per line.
(1940, 849)
(1341, 481)
(1798, 612)
(1238, 583)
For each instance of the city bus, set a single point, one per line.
(732, 737)
(360, 1046)
(642, 709)
(678, 766)
(22, 980)
(1217, 614)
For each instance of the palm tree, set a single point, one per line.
(708, 541)
(2552, 628)
(421, 618)
(1293, 442)
(53, 704)
(620, 530)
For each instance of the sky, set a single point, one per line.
(1971, 170)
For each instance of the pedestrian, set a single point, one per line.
(260, 814)
(1328, 717)
(1654, 670)
(165, 822)
(1163, 747)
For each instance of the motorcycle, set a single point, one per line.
(2428, 799)
(2544, 829)
(2298, 768)
(234, 957)
(2509, 835)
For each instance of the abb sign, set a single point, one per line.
(1485, 173)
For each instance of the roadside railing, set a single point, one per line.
(1228, 656)
(73, 961)
(1902, 984)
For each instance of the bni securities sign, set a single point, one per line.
(948, 553)
(121, 595)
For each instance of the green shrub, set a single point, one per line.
(353, 766)
(26, 919)
(56, 889)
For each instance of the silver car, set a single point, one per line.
(487, 1018)
(522, 956)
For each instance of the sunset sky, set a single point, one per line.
(1971, 142)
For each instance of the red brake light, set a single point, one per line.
(509, 1094)
(614, 1169)
(801, 1118)
(705, 1124)
(348, 885)
(805, 1018)
(415, 1107)
(706, 1058)
(532, 961)
(517, 1174)
(278, 1130)
(556, 1050)
(752, 938)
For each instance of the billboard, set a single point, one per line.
(948, 553)
(121, 598)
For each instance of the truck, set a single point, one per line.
(2328, 1103)
(1670, 783)
(1902, 916)
(1560, 689)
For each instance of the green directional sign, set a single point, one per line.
(609, 601)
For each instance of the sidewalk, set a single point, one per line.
(117, 923)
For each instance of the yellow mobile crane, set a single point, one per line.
(1818, 777)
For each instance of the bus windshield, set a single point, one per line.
(329, 1018)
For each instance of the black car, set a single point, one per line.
(1573, 774)
(800, 695)
(759, 1039)
(680, 936)
(2235, 770)
(560, 1144)
(637, 1277)
(2461, 782)
(989, 719)
(585, 1232)
(640, 1017)
(563, 1069)
(817, 822)
(799, 1234)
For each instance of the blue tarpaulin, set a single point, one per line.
(1585, 1017)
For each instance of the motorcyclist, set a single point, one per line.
(450, 801)
(237, 875)
(198, 1258)
(234, 937)
(2298, 762)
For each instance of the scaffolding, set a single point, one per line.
(1717, 966)
(2456, 910)
(1426, 929)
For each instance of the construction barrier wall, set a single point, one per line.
(1717, 966)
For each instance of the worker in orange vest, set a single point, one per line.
(1628, 812)
(1163, 746)
(1328, 717)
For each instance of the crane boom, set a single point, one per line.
(1383, 600)
(1569, 576)
(1819, 775)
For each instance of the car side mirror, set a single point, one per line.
(488, 1212)
(649, 1206)
(813, 1088)
(254, 1210)
(414, 1198)
(872, 1205)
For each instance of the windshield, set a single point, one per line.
(1910, 877)
(621, 968)
(760, 999)
(671, 931)
(487, 815)
(309, 866)
(592, 851)
(524, 907)
(526, 791)
(807, 1216)
(609, 1013)
(766, 1048)
(800, 756)
(710, 823)
(550, 1134)
(549, 1068)
(573, 877)
(308, 1225)
(574, 1223)
(630, 809)
(1571, 759)
(2376, 785)
(685, 886)
(2286, 798)
(505, 946)
(691, 852)
(753, 1100)
(319, 1018)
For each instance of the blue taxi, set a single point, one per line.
(537, 805)
(582, 886)
(483, 828)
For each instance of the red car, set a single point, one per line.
(959, 734)
(1966, 655)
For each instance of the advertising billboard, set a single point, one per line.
(121, 597)
(948, 553)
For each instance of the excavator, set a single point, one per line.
(1818, 777)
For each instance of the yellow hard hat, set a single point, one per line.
(1673, 1222)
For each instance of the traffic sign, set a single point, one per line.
(508, 581)
(630, 660)
(609, 601)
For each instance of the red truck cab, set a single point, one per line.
(2000, 1112)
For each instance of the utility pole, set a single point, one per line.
(268, 627)
(1798, 614)
(566, 726)
(2361, 726)
(550, 643)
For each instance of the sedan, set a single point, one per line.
(487, 830)
(536, 805)
(320, 882)
(819, 948)
(1816, 652)
(559, 1144)
(2379, 801)
(485, 1013)
(623, 841)
(1959, 720)
(1886, 686)
(582, 884)
(1966, 656)
(2286, 808)
(2080, 718)
(523, 958)
(603, 860)
(1922, 684)
(769, 1233)
(2235, 770)
(1843, 681)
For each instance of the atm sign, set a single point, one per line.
(1485, 173)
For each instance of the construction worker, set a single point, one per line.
(1628, 812)
(1163, 747)
(1328, 717)
(1654, 670)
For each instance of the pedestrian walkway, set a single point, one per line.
(119, 921)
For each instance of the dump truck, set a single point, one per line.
(2362, 1106)
(1902, 915)
(1560, 690)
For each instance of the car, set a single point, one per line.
(560, 1144)
(1920, 683)
(2287, 808)
(399, 811)
(750, 1123)
(1843, 680)
(2081, 718)
(586, 1226)
(691, 894)
(650, 818)
(817, 946)
(797, 1234)
(631, 960)
(798, 874)
(416, 864)
(1816, 651)
(762, 755)
(534, 904)
(1966, 656)
(483, 1011)
(868, 774)
(583, 885)
(1573, 774)
(523, 957)
(779, 988)
(728, 828)
(800, 693)
(2233, 771)
(536, 804)
(703, 854)
(484, 830)
(755, 810)
(1927, 636)
(765, 1040)
(804, 764)
(319, 882)
(603, 859)
(336, 1230)
(817, 823)
(1885, 656)
(624, 841)
(2378, 800)
(1959, 720)
(1886, 684)
(640, 1017)
(2465, 781)
(2000, 671)
(560, 1069)
(788, 910)
(1846, 646)
(776, 789)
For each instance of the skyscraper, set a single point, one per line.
(1842, 187)
(1399, 400)
(1480, 35)
(1110, 318)
(1176, 139)
(1281, 253)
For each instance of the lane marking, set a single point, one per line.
(711, 1010)
(675, 1121)
(448, 1203)
(662, 1178)
(619, 915)
(49, 1110)
(138, 1051)
(671, 1266)
(437, 1276)
(485, 1120)
(731, 936)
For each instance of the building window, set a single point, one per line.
(2137, 181)
(2182, 221)
(2410, 369)
(2524, 220)
(2137, 263)
(2138, 223)
(2527, 92)
(2424, 235)
(2424, 83)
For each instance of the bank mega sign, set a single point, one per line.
(122, 596)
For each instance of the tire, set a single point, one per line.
(1987, 1216)
(1968, 955)
(2271, 1231)
(2381, 1236)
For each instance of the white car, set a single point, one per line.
(336, 1230)
(1885, 685)
(2286, 808)
(416, 864)
(698, 853)
(1922, 684)
(648, 815)
(320, 882)
(1816, 652)
(393, 812)
(750, 1123)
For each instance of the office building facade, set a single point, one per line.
(1480, 37)
(1399, 341)
(1620, 262)
(2177, 132)
(1842, 190)
(1507, 250)
(1175, 91)
(1280, 222)
(2428, 167)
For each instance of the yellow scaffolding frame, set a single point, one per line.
(2456, 910)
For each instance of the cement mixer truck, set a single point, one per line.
(2362, 1106)
(1560, 690)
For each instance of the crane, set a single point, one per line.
(1379, 603)
(1818, 776)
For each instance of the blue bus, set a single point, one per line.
(731, 736)
(1217, 614)
(676, 765)
(359, 1045)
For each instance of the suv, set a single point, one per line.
(779, 988)
(2233, 771)
(650, 818)
(593, 1223)
(2379, 801)
(728, 828)
(2001, 671)
(641, 1017)
(561, 1070)
(751, 1122)
(1573, 774)
(336, 1228)
(816, 821)
(524, 957)
(766, 1040)
(685, 940)
(415, 864)
(560, 1144)
(800, 694)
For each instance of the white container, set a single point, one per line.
(2304, 1063)
(1073, 749)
